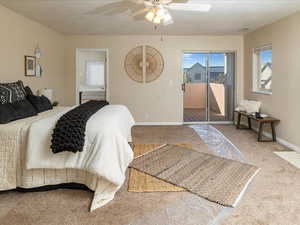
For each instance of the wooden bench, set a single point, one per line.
(261, 122)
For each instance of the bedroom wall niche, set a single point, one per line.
(91, 74)
(19, 37)
(160, 101)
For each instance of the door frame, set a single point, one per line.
(77, 84)
(234, 86)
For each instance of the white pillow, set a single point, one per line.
(249, 106)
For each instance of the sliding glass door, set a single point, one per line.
(195, 87)
(208, 86)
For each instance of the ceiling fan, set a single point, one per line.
(158, 11)
(155, 11)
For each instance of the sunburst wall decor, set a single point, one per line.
(144, 64)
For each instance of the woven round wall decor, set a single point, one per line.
(144, 64)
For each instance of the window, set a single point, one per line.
(262, 70)
(95, 73)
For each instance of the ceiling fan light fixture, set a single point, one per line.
(156, 20)
(150, 16)
(160, 13)
(168, 19)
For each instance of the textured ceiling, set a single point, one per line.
(92, 17)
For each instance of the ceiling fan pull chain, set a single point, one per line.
(162, 34)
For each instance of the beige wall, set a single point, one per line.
(19, 37)
(161, 100)
(284, 102)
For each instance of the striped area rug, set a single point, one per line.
(214, 178)
(141, 182)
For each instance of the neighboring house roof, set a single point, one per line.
(267, 65)
(266, 76)
(212, 69)
(193, 67)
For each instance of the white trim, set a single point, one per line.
(288, 145)
(179, 123)
(284, 142)
(262, 92)
(209, 122)
(78, 50)
(264, 47)
(256, 69)
(281, 141)
(158, 123)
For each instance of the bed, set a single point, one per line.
(26, 160)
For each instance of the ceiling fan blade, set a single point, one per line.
(179, 1)
(140, 17)
(189, 7)
(148, 4)
(137, 1)
(139, 12)
(113, 8)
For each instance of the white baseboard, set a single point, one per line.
(267, 134)
(177, 123)
(158, 123)
(288, 145)
(280, 141)
(209, 123)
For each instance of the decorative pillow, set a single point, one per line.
(28, 91)
(7, 113)
(24, 109)
(12, 92)
(249, 106)
(40, 103)
(15, 111)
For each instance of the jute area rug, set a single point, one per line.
(216, 179)
(142, 182)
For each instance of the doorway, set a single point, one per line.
(91, 75)
(209, 81)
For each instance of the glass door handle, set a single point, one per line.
(183, 87)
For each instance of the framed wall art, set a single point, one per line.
(30, 66)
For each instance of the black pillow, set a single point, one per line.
(24, 109)
(28, 91)
(15, 111)
(12, 92)
(7, 113)
(40, 103)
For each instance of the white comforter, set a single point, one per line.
(106, 151)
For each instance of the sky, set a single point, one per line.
(266, 56)
(189, 59)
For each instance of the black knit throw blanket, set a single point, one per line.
(69, 132)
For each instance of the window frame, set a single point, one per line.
(256, 70)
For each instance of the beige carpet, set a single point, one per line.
(214, 178)
(291, 157)
(272, 199)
